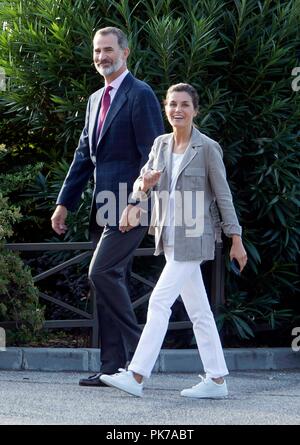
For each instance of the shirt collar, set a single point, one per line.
(117, 82)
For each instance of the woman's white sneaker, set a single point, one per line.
(206, 389)
(125, 381)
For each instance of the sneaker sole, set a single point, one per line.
(122, 389)
(205, 397)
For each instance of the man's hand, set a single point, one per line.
(150, 179)
(58, 219)
(130, 218)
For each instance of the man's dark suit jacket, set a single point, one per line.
(132, 123)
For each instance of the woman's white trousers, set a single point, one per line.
(182, 278)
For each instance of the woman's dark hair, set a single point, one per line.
(187, 88)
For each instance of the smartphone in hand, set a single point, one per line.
(235, 267)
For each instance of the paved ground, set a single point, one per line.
(256, 398)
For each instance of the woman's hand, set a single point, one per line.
(130, 218)
(149, 179)
(238, 251)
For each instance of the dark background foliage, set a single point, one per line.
(238, 54)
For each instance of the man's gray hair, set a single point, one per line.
(122, 38)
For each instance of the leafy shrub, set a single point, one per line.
(19, 298)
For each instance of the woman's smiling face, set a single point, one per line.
(180, 110)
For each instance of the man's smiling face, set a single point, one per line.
(108, 57)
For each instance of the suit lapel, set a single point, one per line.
(118, 102)
(115, 107)
(94, 116)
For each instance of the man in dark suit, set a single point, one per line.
(122, 121)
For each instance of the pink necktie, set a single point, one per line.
(105, 104)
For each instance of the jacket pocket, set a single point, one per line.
(194, 171)
(194, 178)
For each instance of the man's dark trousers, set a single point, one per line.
(109, 274)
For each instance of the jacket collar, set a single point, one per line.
(195, 141)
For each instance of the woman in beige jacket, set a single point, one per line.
(185, 174)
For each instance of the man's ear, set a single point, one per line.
(126, 52)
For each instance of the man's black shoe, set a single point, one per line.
(93, 380)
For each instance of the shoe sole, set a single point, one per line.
(93, 386)
(205, 397)
(122, 389)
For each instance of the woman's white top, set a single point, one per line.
(168, 230)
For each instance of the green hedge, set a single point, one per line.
(19, 298)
